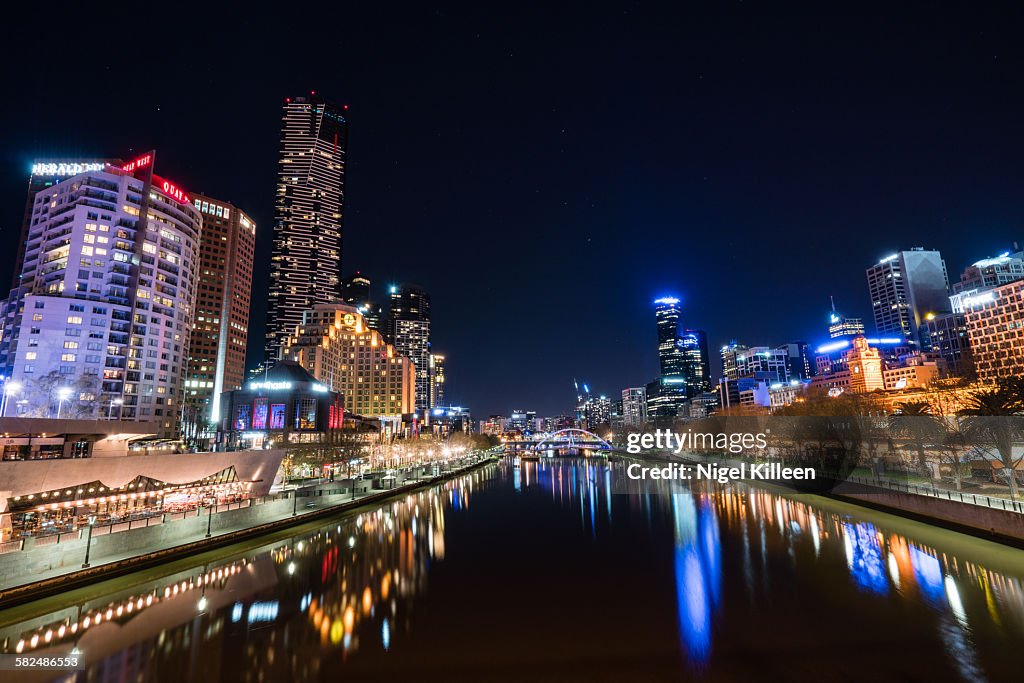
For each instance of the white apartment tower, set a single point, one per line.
(106, 298)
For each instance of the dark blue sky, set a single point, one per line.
(546, 173)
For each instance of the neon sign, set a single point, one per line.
(173, 191)
(136, 164)
(65, 168)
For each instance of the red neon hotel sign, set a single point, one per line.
(136, 164)
(171, 190)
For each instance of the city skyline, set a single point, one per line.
(705, 204)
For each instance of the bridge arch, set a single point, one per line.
(568, 436)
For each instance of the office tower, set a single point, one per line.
(798, 354)
(409, 331)
(992, 272)
(697, 368)
(905, 287)
(305, 264)
(220, 330)
(947, 336)
(108, 292)
(334, 344)
(355, 290)
(734, 355)
(665, 400)
(670, 356)
(840, 326)
(995, 329)
(634, 407)
(437, 379)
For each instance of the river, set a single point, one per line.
(552, 571)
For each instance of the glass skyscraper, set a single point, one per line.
(305, 266)
(409, 331)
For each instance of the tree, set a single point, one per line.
(993, 421)
(916, 422)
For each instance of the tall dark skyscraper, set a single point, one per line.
(696, 366)
(409, 331)
(305, 266)
(355, 289)
(905, 288)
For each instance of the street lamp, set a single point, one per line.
(63, 394)
(10, 389)
(110, 410)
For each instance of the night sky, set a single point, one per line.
(546, 173)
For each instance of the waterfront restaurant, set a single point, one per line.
(286, 405)
(58, 475)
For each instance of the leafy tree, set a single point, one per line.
(993, 420)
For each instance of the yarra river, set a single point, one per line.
(552, 572)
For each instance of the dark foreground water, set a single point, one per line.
(546, 572)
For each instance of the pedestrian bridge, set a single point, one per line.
(562, 440)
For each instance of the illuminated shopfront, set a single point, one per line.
(286, 405)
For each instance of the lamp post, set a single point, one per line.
(63, 394)
(10, 389)
(110, 410)
(88, 542)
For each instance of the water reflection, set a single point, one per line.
(271, 615)
(735, 566)
(878, 561)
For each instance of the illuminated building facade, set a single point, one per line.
(305, 264)
(905, 287)
(336, 347)
(107, 297)
(46, 173)
(634, 407)
(670, 356)
(409, 331)
(861, 369)
(437, 380)
(667, 394)
(216, 358)
(285, 405)
(839, 326)
(992, 272)
(995, 329)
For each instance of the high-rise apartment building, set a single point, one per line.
(905, 287)
(305, 265)
(107, 295)
(634, 407)
(46, 173)
(409, 331)
(334, 344)
(220, 329)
